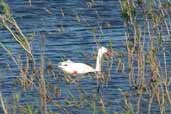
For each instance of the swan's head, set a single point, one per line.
(104, 50)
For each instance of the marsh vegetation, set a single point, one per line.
(137, 77)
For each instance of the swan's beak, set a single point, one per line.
(109, 53)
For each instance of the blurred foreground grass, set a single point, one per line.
(148, 73)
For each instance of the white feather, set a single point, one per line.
(71, 67)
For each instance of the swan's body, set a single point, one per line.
(71, 67)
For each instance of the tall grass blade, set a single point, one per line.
(3, 105)
(11, 25)
(9, 53)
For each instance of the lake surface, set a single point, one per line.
(70, 29)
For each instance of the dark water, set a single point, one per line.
(66, 37)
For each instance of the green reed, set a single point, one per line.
(143, 42)
(9, 23)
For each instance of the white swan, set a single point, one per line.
(74, 68)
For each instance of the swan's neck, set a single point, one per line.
(99, 61)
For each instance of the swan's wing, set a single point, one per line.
(72, 67)
(83, 68)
